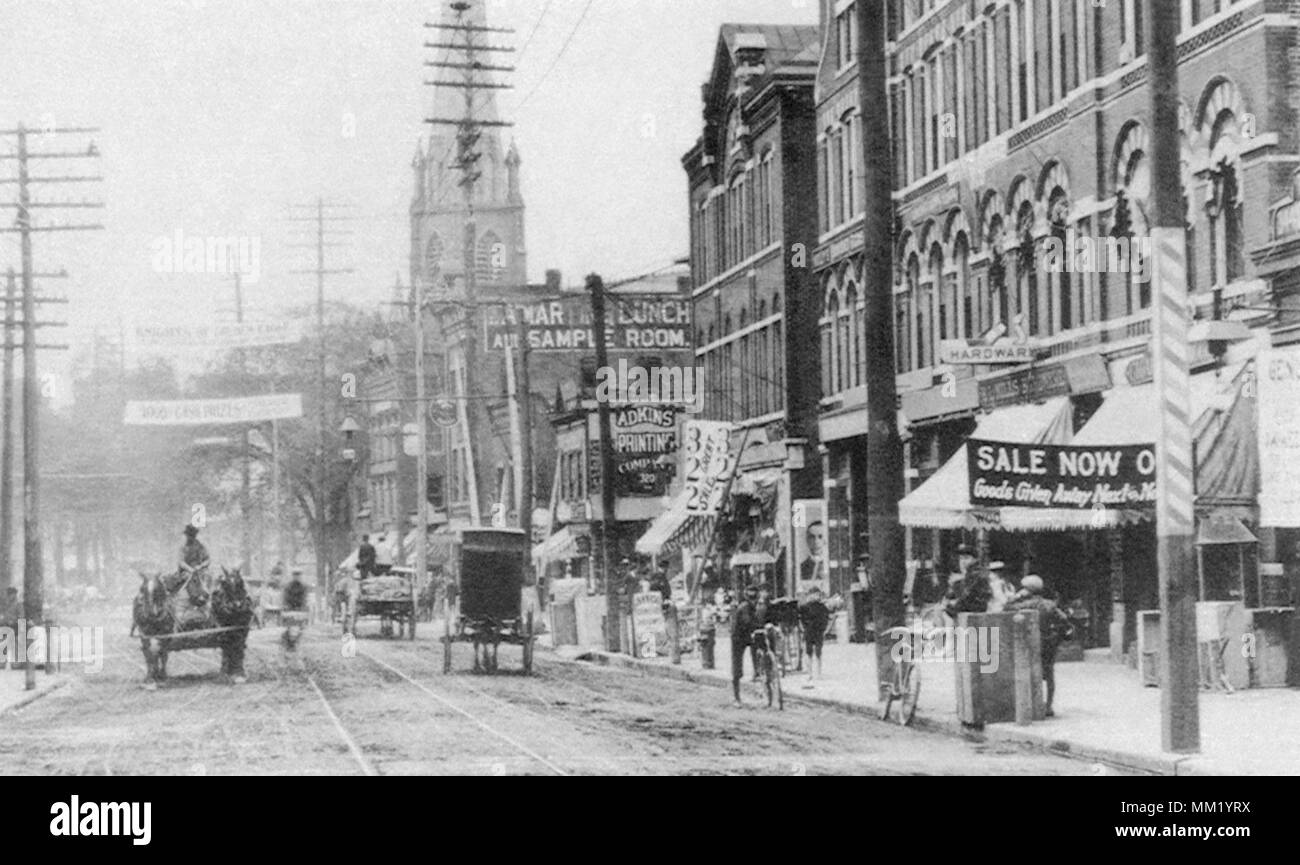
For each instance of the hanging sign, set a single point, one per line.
(1003, 474)
(204, 412)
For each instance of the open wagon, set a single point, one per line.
(484, 604)
(182, 612)
(390, 597)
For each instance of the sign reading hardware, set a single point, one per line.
(1002, 474)
(961, 351)
(635, 323)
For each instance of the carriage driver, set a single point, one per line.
(194, 556)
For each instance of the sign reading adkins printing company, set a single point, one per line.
(1003, 474)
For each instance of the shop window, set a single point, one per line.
(1229, 572)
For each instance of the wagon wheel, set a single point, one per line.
(446, 636)
(528, 645)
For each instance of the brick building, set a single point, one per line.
(1019, 127)
(753, 226)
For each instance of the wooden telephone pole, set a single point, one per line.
(464, 61)
(33, 573)
(884, 446)
(1175, 493)
(320, 219)
(608, 495)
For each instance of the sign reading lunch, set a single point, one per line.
(1003, 474)
(635, 323)
(204, 412)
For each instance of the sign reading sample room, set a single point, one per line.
(1002, 474)
(635, 323)
(204, 412)
(1279, 437)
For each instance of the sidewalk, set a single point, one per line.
(13, 692)
(1103, 713)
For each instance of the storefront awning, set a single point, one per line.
(943, 501)
(1223, 528)
(559, 547)
(438, 546)
(675, 529)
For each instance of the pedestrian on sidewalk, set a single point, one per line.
(744, 621)
(1053, 627)
(814, 616)
(1001, 589)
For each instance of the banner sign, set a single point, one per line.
(1001, 474)
(204, 412)
(709, 464)
(150, 337)
(634, 323)
(643, 436)
(1279, 437)
(648, 623)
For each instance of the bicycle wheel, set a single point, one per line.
(769, 672)
(911, 693)
(780, 695)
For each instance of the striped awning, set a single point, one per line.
(675, 529)
(559, 547)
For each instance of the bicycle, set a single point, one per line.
(766, 642)
(905, 688)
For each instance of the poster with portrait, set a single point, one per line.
(808, 525)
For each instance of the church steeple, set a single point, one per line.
(464, 142)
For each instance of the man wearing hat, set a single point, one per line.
(1001, 590)
(194, 556)
(1053, 626)
(744, 621)
(971, 594)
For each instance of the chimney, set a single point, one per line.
(553, 282)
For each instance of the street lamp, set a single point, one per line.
(349, 428)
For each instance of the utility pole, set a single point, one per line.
(463, 56)
(246, 556)
(1175, 496)
(33, 573)
(523, 386)
(608, 499)
(319, 475)
(7, 448)
(884, 446)
(421, 466)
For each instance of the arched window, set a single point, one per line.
(843, 348)
(489, 258)
(1027, 268)
(943, 293)
(920, 293)
(1058, 211)
(964, 290)
(857, 351)
(830, 375)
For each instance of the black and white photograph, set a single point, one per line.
(650, 388)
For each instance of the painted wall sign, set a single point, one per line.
(1003, 474)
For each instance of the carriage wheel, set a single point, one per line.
(446, 637)
(528, 645)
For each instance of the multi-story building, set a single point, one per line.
(752, 202)
(1020, 127)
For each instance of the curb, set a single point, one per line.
(30, 697)
(998, 733)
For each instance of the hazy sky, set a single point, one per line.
(216, 117)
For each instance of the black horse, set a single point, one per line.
(232, 608)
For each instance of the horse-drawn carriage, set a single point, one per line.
(183, 611)
(484, 603)
(389, 597)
